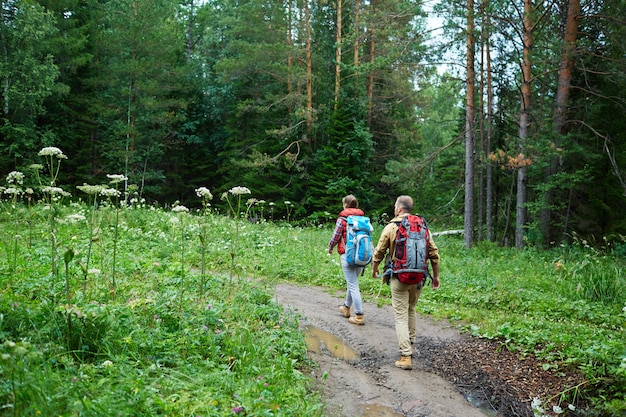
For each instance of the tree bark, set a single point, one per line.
(560, 109)
(469, 129)
(338, 41)
(527, 40)
(489, 180)
(309, 71)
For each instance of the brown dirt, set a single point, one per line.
(453, 374)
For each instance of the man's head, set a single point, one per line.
(404, 204)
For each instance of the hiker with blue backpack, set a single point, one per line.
(407, 245)
(353, 238)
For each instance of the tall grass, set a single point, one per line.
(184, 337)
(161, 346)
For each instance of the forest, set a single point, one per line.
(504, 118)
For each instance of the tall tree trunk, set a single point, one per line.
(469, 129)
(338, 41)
(289, 54)
(355, 59)
(372, 52)
(481, 120)
(560, 109)
(524, 122)
(489, 179)
(309, 72)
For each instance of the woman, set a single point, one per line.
(350, 272)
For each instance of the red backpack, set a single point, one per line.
(410, 263)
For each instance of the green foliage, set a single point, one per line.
(141, 347)
(145, 342)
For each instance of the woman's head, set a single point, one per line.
(350, 201)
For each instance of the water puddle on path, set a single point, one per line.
(316, 339)
(374, 410)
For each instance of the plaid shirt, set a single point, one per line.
(339, 235)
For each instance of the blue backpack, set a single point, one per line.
(359, 245)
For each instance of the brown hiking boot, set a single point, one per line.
(404, 363)
(345, 311)
(358, 319)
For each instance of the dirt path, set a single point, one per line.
(368, 384)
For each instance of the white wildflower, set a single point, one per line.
(30, 191)
(107, 363)
(75, 218)
(288, 203)
(557, 409)
(12, 191)
(252, 202)
(117, 178)
(36, 167)
(52, 151)
(94, 271)
(110, 192)
(536, 406)
(204, 192)
(239, 190)
(15, 177)
(90, 189)
(55, 191)
(180, 209)
(572, 407)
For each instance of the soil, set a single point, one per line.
(453, 375)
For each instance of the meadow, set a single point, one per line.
(112, 308)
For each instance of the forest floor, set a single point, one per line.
(453, 375)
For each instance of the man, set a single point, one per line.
(403, 296)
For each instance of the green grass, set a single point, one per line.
(142, 335)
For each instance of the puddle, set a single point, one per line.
(374, 410)
(316, 339)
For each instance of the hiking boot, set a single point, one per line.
(404, 363)
(358, 319)
(345, 311)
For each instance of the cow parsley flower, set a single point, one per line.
(117, 178)
(180, 209)
(204, 192)
(91, 189)
(110, 192)
(52, 151)
(75, 218)
(15, 177)
(557, 409)
(239, 190)
(55, 191)
(12, 191)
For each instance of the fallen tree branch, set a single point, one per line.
(448, 232)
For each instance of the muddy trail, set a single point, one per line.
(453, 375)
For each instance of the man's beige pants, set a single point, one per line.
(403, 299)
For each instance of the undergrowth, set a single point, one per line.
(174, 315)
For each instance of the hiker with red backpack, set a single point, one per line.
(408, 246)
(353, 238)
